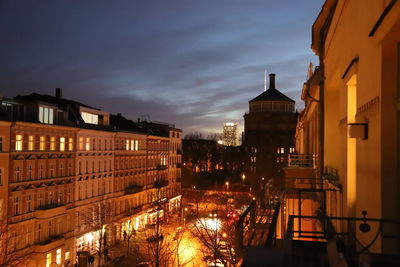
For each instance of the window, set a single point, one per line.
(30, 143)
(127, 145)
(90, 118)
(1, 143)
(29, 204)
(16, 206)
(58, 256)
(87, 143)
(48, 259)
(17, 174)
(70, 144)
(42, 143)
(1, 176)
(62, 143)
(52, 143)
(30, 172)
(46, 115)
(80, 143)
(136, 145)
(66, 255)
(132, 144)
(291, 150)
(18, 142)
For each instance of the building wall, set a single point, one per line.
(365, 94)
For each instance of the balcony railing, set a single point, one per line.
(50, 239)
(161, 167)
(160, 183)
(49, 206)
(133, 188)
(302, 161)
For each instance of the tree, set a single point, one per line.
(96, 219)
(217, 239)
(11, 253)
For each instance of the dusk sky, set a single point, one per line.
(194, 63)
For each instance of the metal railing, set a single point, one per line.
(302, 161)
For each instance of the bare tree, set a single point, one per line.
(97, 219)
(12, 252)
(217, 239)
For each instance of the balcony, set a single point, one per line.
(50, 243)
(161, 167)
(179, 165)
(132, 189)
(179, 151)
(301, 166)
(49, 210)
(160, 183)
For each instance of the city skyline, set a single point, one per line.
(179, 62)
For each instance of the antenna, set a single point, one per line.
(265, 81)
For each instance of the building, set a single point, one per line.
(72, 177)
(268, 135)
(229, 134)
(341, 201)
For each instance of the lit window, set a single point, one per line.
(66, 255)
(127, 145)
(87, 143)
(52, 143)
(132, 144)
(136, 145)
(30, 143)
(80, 143)
(291, 150)
(70, 144)
(42, 143)
(46, 115)
(90, 118)
(282, 150)
(62, 143)
(58, 256)
(18, 142)
(48, 259)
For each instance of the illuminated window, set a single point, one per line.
(127, 145)
(62, 143)
(70, 144)
(90, 118)
(42, 143)
(87, 143)
(48, 259)
(30, 143)
(66, 255)
(291, 150)
(46, 115)
(52, 143)
(132, 144)
(282, 150)
(80, 143)
(136, 145)
(58, 256)
(18, 142)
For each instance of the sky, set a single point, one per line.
(193, 63)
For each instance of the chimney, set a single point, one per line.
(272, 81)
(58, 93)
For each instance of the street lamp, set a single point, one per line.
(243, 177)
(227, 186)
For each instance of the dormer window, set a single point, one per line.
(90, 118)
(46, 114)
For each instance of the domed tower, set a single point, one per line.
(269, 130)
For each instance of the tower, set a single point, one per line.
(229, 134)
(269, 136)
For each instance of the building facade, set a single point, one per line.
(229, 134)
(73, 177)
(268, 136)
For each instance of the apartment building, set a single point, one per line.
(71, 173)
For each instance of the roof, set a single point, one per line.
(272, 94)
(51, 99)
